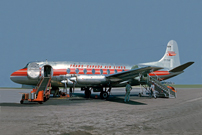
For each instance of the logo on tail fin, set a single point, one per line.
(171, 53)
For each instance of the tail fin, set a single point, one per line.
(170, 59)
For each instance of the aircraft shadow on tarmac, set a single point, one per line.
(116, 98)
(18, 104)
(52, 101)
(121, 100)
(76, 99)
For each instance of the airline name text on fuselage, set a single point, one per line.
(96, 66)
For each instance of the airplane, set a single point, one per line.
(100, 76)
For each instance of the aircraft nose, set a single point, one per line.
(12, 77)
(18, 76)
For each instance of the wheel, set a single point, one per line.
(140, 95)
(21, 101)
(104, 95)
(87, 93)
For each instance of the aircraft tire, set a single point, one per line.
(104, 95)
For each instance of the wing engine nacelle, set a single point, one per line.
(85, 79)
(68, 82)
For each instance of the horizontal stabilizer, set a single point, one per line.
(181, 67)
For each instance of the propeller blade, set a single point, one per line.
(65, 88)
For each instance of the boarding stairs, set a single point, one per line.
(40, 93)
(144, 90)
(162, 90)
(44, 83)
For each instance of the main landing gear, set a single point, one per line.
(104, 94)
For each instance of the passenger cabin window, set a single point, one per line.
(108, 71)
(93, 71)
(68, 71)
(77, 70)
(85, 71)
(101, 71)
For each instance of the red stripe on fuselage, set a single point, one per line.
(21, 72)
(57, 72)
(97, 71)
(159, 73)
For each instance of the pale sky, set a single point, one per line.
(106, 31)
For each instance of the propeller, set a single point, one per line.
(73, 79)
(140, 77)
(65, 88)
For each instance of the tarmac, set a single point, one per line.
(80, 116)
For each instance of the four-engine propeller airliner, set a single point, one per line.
(99, 76)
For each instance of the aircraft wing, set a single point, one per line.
(123, 76)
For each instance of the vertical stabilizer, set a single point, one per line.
(170, 59)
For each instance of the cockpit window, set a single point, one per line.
(26, 65)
